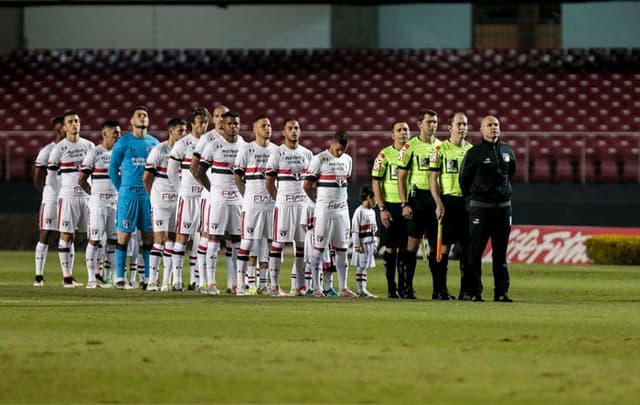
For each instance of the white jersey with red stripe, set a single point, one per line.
(163, 193)
(251, 163)
(51, 183)
(290, 168)
(182, 152)
(363, 226)
(66, 158)
(204, 140)
(96, 163)
(219, 158)
(332, 175)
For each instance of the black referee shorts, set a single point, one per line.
(395, 236)
(423, 222)
(455, 224)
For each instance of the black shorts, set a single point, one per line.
(395, 236)
(455, 224)
(423, 222)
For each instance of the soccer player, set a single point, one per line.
(485, 179)
(134, 207)
(164, 196)
(257, 205)
(416, 202)
(288, 166)
(363, 231)
(190, 200)
(67, 157)
(102, 203)
(205, 268)
(444, 166)
(46, 184)
(216, 175)
(394, 226)
(326, 185)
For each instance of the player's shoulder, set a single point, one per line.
(86, 142)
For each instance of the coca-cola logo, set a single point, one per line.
(553, 244)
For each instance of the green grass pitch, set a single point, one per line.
(572, 336)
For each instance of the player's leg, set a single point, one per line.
(124, 227)
(339, 236)
(47, 226)
(186, 214)
(97, 226)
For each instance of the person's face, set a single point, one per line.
(109, 136)
(72, 125)
(199, 125)
(428, 125)
(336, 148)
(140, 119)
(458, 128)
(400, 132)
(262, 129)
(291, 131)
(217, 117)
(490, 129)
(231, 126)
(176, 133)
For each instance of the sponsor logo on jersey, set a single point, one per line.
(506, 157)
(377, 164)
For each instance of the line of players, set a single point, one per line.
(204, 188)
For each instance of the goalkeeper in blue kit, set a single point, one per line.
(134, 206)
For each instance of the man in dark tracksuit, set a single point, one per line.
(485, 179)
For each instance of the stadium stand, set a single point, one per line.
(571, 115)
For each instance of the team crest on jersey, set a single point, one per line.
(506, 157)
(126, 223)
(341, 180)
(187, 224)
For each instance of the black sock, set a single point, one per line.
(389, 260)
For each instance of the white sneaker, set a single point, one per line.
(293, 292)
(277, 292)
(165, 287)
(347, 293)
(241, 292)
(38, 283)
(177, 287)
(318, 293)
(92, 285)
(264, 290)
(153, 287)
(366, 294)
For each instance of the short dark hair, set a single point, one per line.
(139, 107)
(68, 113)
(422, 113)
(57, 120)
(174, 122)
(365, 192)
(287, 120)
(109, 124)
(396, 123)
(198, 112)
(341, 137)
(230, 114)
(258, 118)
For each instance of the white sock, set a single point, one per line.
(361, 279)
(232, 269)
(155, 257)
(243, 262)
(64, 254)
(298, 265)
(42, 249)
(213, 250)
(109, 265)
(263, 278)
(167, 262)
(251, 276)
(342, 268)
(274, 264)
(92, 258)
(178, 262)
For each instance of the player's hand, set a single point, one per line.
(407, 212)
(359, 249)
(439, 212)
(385, 218)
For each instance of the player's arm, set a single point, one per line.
(270, 184)
(83, 181)
(238, 177)
(311, 188)
(173, 172)
(196, 157)
(52, 167)
(114, 165)
(201, 174)
(39, 175)
(466, 173)
(147, 179)
(355, 232)
(436, 193)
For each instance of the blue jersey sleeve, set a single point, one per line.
(116, 160)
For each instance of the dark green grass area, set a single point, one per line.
(572, 336)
